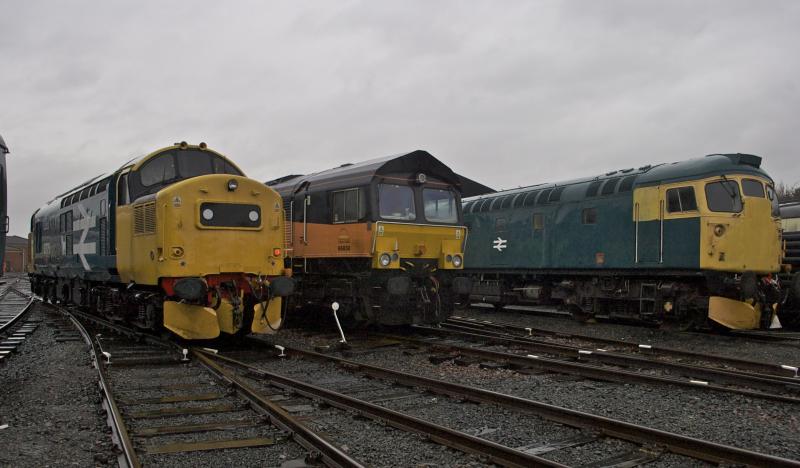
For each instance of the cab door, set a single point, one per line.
(648, 219)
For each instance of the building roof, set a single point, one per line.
(16, 241)
(3, 146)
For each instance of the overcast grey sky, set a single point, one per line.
(507, 92)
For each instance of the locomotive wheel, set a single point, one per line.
(579, 314)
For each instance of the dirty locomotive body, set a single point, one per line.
(179, 239)
(383, 238)
(790, 279)
(688, 241)
(3, 202)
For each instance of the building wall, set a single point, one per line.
(17, 254)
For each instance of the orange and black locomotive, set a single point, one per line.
(384, 238)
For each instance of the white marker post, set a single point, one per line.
(335, 307)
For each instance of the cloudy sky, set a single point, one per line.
(507, 92)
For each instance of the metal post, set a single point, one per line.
(636, 242)
(335, 307)
(661, 241)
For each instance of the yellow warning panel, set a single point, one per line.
(192, 322)
(733, 314)
(267, 322)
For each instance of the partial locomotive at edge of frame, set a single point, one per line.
(3, 202)
(181, 239)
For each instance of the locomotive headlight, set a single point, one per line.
(384, 260)
(719, 230)
(457, 261)
(232, 185)
(208, 214)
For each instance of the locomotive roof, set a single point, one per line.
(691, 169)
(790, 210)
(135, 163)
(3, 147)
(362, 173)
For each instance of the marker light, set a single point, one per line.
(385, 260)
(457, 261)
(232, 185)
(276, 252)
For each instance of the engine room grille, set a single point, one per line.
(144, 218)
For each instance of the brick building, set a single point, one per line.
(17, 254)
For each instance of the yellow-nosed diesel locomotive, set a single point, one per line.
(384, 238)
(686, 241)
(178, 239)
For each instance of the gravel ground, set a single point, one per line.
(765, 426)
(736, 347)
(49, 399)
(490, 422)
(372, 443)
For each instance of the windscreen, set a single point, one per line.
(440, 206)
(174, 165)
(724, 196)
(396, 202)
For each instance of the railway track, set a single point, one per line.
(603, 365)
(582, 341)
(633, 444)
(16, 304)
(167, 409)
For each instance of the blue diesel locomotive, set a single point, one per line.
(689, 240)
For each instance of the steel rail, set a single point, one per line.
(13, 321)
(496, 453)
(331, 454)
(736, 377)
(123, 439)
(590, 371)
(740, 363)
(695, 448)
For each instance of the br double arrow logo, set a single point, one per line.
(499, 244)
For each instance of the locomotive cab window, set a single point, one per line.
(773, 199)
(396, 202)
(752, 188)
(122, 190)
(589, 216)
(440, 205)
(348, 206)
(158, 170)
(171, 166)
(724, 197)
(681, 199)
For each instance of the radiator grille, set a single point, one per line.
(144, 218)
